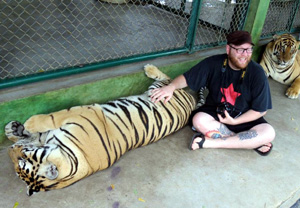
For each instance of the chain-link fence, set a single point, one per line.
(46, 36)
(282, 17)
(217, 19)
(39, 36)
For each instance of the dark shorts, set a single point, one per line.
(211, 110)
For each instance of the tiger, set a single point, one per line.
(52, 151)
(281, 61)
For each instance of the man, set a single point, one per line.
(239, 97)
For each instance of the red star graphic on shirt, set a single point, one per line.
(230, 94)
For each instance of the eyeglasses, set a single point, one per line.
(242, 50)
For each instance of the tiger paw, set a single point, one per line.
(15, 131)
(266, 73)
(153, 72)
(292, 93)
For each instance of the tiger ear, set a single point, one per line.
(51, 172)
(275, 37)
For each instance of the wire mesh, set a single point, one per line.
(44, 36)
(296, 23)
(217, 19)
(280, 17)
(38, 36)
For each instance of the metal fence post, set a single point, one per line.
(193, 25)
(255, 21)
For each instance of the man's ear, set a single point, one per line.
(227, 49)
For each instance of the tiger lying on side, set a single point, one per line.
(55, 150)
(281, 61)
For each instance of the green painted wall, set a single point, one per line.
(96, 92)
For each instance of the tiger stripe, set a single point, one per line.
(79, 141)
(281, 61)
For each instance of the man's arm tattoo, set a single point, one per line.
(247, 134)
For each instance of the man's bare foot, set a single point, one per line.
(265, 149)
(197, 141)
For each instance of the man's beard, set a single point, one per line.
(235, 63)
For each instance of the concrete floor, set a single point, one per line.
(168, 175)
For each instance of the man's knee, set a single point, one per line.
(199, 118)
(271, 132)
(202, 120)
(266, 131)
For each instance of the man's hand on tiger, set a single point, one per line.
(165, 93)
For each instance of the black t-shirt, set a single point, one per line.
(251, 92)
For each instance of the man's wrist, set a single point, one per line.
(172, 86)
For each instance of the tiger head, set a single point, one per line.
(39, 167)
(283, 50)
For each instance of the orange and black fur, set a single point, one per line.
(281, 61)
(55, 150)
